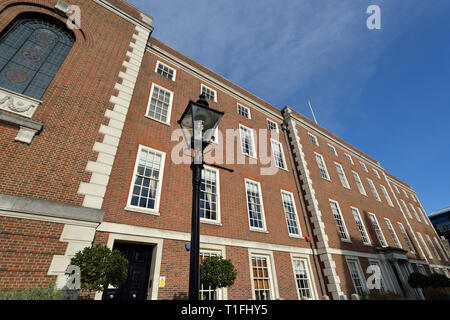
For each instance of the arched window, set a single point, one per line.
(31, 52)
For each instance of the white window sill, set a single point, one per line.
(296, 236)
(259, 230)
(141, 210)
(346, 241)
(368, 244)
(214, 223)
(247, 155)
(285, 169)
(166, 123)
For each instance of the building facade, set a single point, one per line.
(91, 155)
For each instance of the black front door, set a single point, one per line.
(139, 261)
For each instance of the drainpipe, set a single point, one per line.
(303, 208)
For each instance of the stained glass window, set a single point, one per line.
(31, 53)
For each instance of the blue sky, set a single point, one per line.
(387, 92)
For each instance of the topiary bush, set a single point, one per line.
(217, 272)
(439, 281)
(101, 267)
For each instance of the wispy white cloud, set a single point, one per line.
(285, 52)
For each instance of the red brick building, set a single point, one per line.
(90, 154)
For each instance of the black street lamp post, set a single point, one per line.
(199, 123)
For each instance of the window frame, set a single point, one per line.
(309, 274)
(415, 212)
(244, 107)
(406, 237)
(310, 136)
(405, 207)
(363, 166)
(364, 229)
(158, 62)
(169, 109)
(332, 149)
(349, 159)
(348, 240)
(394, 236)
(430, 255)
(269, 121)
(375, 171)
(297, 220)
(433, 248)
(328, 178)
(360, 184)
(138, 209)
(346, 185)
(378, 230)
(282, 154)
(253, 141)
(383, 282)
(218, 211)
(360, 274)
(374, 190)
(263, 215)
(202, 85)
(387, 196)
(273, 285)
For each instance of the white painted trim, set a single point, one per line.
(374, 190)
(273, 122)
(158, 62)
(282, 154)
(310, 135)
(349, 159)
(204, 239)
(406, 208)
(393, 233)
(263, 216)
(218, 220)
(346, 185)
(211, 89)
(361, 190)
(359, 270)
(364, 166)
(424, 245)
(300, 235)
(169, 109)
(253, 141)
(381, 231)
(415, 212)
(363, 225)
(386, 195)
(324, 166)
(274, 293)
(375, 171)
(342, 218)
(160, 181)
(309, 273)
(331, 147)
(244, 107)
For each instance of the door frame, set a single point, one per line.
(155, 265)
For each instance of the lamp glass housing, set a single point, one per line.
(200, 111)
